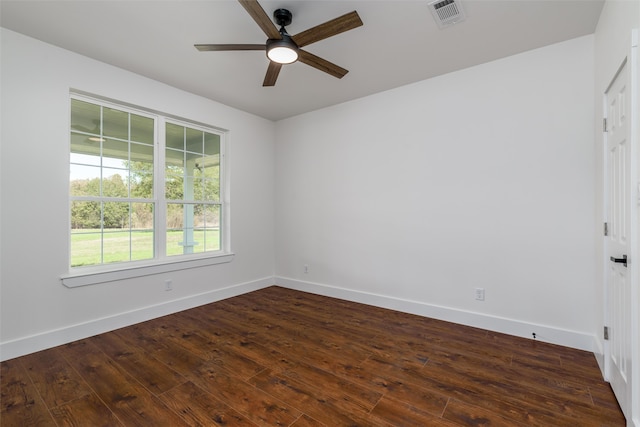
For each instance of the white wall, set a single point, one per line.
(612, 45)
(36, 309)
(484, 177)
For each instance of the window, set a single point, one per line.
(192, 190)
(143, 187)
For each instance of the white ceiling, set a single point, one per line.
(400, 43)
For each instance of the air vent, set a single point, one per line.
(447, 12)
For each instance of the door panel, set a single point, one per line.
(618, 243)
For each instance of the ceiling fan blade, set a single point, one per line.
(330, 28)
(272, 74)
(222, 47)
(321, 64)
(262, 19)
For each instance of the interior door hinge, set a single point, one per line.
(606, 229)
(606, 333)
(604, 125)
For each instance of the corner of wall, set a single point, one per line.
(31, 344)
(563, 337)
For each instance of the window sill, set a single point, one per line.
(91, 277)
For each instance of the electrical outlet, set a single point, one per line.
(480, 294)
(168, 285)
(306, 269)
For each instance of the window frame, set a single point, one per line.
(161, 262)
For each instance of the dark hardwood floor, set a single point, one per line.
(278, 357)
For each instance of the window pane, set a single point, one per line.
(113, 184)
(142, 129)
(85, 149)
(115, 153)
(174, 136)
(185, 228)
(194, 140)
(117, 242)
(141, 245)
(141, 153)
(115, 246)
(84, 180)
(174, 172)
(85, 159)
(211, 144)
(85, 216)
(174, 158)
(85, 117)
(210, 226)
(198, 172)
(115, 123)
(213, 172)
(142, 216)
(211, 190)
(174, 187)
(116, 215)
(86, 249)
(175, 219)
(211, 165)
(174, 216)
(192, 228)
(197, 240)
(107, 173)
(193, 161)
(141, 175)
(189, 244)
(194, 173)
(197, 191)
(141, 182)
(193, 189)
(142, 234)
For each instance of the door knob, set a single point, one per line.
(622, 260)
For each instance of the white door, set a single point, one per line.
(618, 140)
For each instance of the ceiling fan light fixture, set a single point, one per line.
(282, 51)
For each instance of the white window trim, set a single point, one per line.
(138, 269)
(90, 275)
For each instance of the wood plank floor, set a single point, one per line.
(278, 357)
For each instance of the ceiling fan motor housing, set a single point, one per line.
(283, 17)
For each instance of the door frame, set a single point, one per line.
(635, 228)
(632, 61)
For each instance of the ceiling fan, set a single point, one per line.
(283, 48)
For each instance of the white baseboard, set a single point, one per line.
(33, 343)
(53, 338)
(567, 338)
